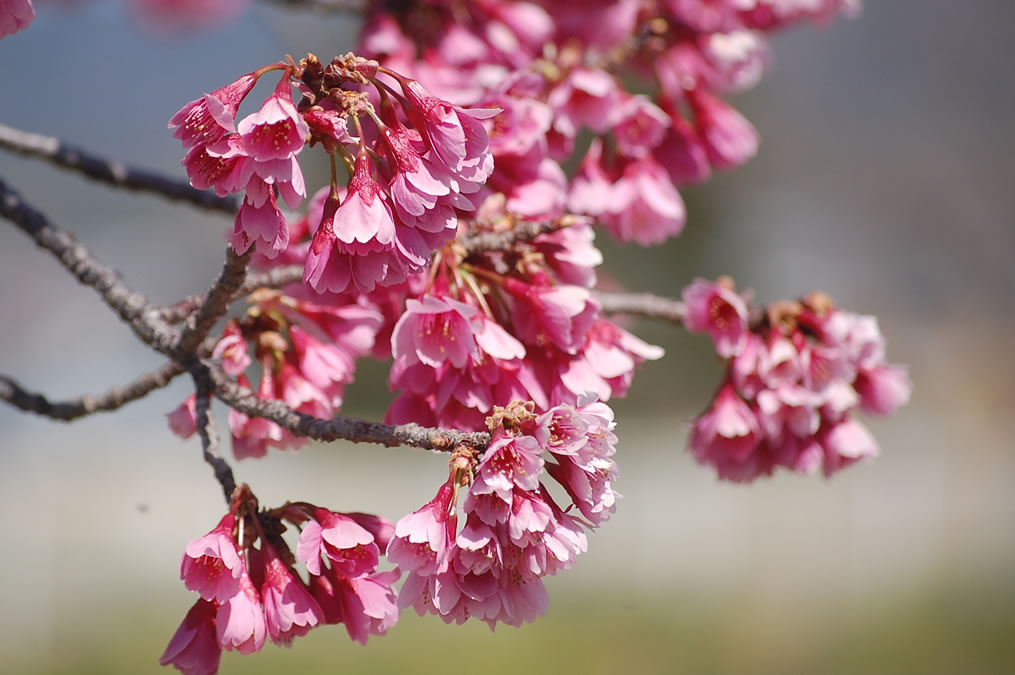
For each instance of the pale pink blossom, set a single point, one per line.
(212, 565)
(340, 539)
(729, 139)
(421, 539)
(845, 443)
(638, 126)
(883, 389)
(240, 622)
(289, 609)
(194, 649)
(646, 207)
(435, 330)
(716, 309)
(728, 429)
(232, 349)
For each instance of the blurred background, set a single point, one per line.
(884, 178)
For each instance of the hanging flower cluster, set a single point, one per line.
(514, 532)
(794, 377)
(412, 161)
(250, 591)
(557, 68)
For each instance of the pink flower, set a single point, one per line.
(559, 314)
(729, 139)
(367, 605)
(682, 154)
(232, 349)
(422, 538)
(434, 331)
(592, 188)
(212, 565)
(646, 207)
(729, 430)
(263, 225)
(585, 98)
(455, 135)
(845, 443)
(340, 539)
(883, 389)
(289, 609)
(276, 131)
(183, 420)
(239, 623)
(715, 308)
(639, 126)
(193, 649)
(208, 119)
(15, 15)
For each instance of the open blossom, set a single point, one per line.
(210, 118)
(212, 565)
(367, 604)
(348, 546)
(646, 207)
(240, 623)
(421, 538)
(194, 649)
(716, 308)
(289, 609)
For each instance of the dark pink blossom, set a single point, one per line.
(729, 139)
(727, 431)
(638, 126)
(367, 605)
(183, 420)
(194, 649)
(883, 389)
(208, 119)
(276, 131)
(232, 349)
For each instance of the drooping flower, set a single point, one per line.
(194, 649)
(212, 565)
(715, 308)
(289, 609)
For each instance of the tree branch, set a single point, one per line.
(350, 429)
(110, 172)
(214, 302)
(67, 411)
(209, 434)
(523, 230)
(129, 305)
(642, 304)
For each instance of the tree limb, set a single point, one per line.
(214, 302)
(642, 304)
(131, 306)
(110, 172)
(67, 411)
(350, 429)
(209, 435)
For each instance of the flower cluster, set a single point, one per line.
(252, 593)
(412, 159)
(557, 68)
(794, 377)
(514, 532)
(306, 346)
(509, 325)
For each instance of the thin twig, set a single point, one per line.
(346, 428)
(129, 305)
(523, 230)
(209, 434)
(215, 302)
(108, 171)
(67, 411)
(642, 304)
